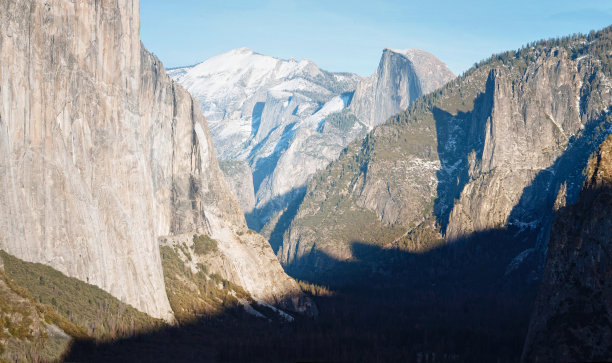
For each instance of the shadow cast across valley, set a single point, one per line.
(465, 301)
(453, 303)
(459, 300)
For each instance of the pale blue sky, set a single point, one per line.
(349, 36)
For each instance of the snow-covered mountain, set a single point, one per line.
(245, 96)
(267, 112)
(287, 119)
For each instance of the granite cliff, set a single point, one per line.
(239, 178)
(572, 317)
(102, 154)
(401, 77)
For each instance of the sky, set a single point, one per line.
(349, 36)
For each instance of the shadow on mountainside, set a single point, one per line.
(292, 201)
(287, 204)
(571, 319)
(264, 166)
(459, 135)
(538, 199)
(256, 117)
(452, 303)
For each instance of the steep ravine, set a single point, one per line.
(193, 198)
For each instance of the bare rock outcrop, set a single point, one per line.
(534, 119)
(402, 77)
(239, 178)
(268, 112)
(76, 190)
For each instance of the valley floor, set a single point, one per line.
(370, 325)
(371, 318)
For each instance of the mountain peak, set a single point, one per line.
(423, 71)
(238, 53)
(241, 50)
(416, 55)
(407, 51)
(402, 51)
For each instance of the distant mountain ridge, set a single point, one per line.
(488, 152)
(286, 119)
(257, 107)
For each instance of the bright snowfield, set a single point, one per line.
(269, 112)
(237, 89)
(272, 114)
